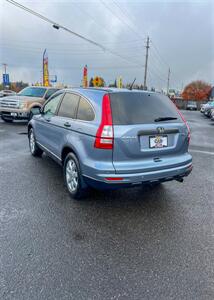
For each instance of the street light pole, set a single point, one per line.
(5, 68)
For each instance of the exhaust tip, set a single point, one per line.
(179, 179)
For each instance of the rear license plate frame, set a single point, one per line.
(160, 143)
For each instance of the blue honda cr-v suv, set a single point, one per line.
(112, 138)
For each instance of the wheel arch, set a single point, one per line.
(67, 149)
(29, 128)
(35, 105)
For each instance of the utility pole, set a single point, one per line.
(168, 82)
(146, 63)
(5, 68)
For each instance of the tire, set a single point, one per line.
(73, 177)
(34, 149)
(30, 116)
(7, 120)
(155, 185)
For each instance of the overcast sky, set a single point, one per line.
(181, 33)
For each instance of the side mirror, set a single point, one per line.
(36, 111)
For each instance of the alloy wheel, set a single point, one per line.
(32, 142)
(71, 175)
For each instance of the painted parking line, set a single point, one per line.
(201, 151)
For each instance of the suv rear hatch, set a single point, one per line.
(149, 132)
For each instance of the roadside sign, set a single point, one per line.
(6, 80)
(54, 79)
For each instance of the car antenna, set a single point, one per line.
(131, 86)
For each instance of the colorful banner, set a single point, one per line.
(119, 82)
(85, 77)
(45, 69)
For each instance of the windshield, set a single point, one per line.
(33, 92)
(140, 108)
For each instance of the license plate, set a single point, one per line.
(158, 141)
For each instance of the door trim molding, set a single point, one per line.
(46, 149)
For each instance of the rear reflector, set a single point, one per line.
(105, 135)
(114, 178)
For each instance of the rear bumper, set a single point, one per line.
(127, 180)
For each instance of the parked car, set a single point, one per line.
(203, 106)
(5, 93)
(191, 105)
(112, 138)
(208, 108)
(19, 107)
(212, 114)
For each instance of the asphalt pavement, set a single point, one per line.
(126, 244)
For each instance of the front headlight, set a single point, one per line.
(23, 105)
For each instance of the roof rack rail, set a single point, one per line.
(98, 88)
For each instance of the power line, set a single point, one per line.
(157, 66)
(119, 18)
(147, 45)
(58, 26)
(158, 53)
(73, 53)
(66, 43)
(154, 67)
(156, 75)
(55, 24)
(62, 50)
(95, 21)
(133, 27)
(162, 60)
(78, 67)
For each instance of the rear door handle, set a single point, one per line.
(67, 124)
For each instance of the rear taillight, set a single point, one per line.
(114, 178)
(184, 120)
(105, 135)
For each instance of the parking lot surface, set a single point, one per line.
(126, 244)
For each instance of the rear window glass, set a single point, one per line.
(139, 108)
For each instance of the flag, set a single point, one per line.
(85, 76)
(119, 82)
(45, 69)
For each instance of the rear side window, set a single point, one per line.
(50, 92)
(85, 111)
(68, 107)
(139, 108)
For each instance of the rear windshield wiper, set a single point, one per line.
(165, 119)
